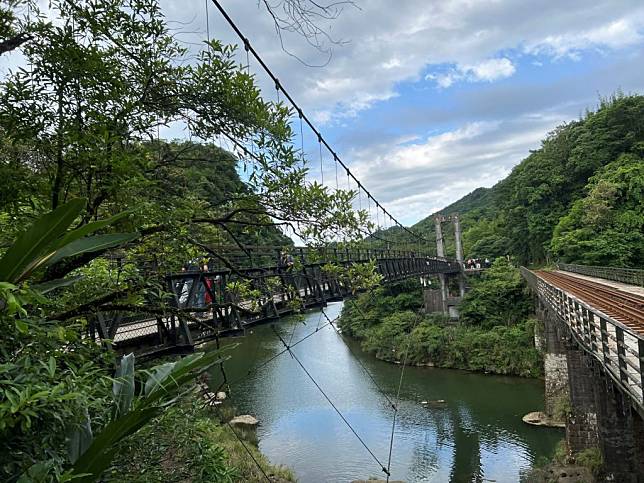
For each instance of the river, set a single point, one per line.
(476, 434)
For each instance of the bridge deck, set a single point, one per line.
(617, 285)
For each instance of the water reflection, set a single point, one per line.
(476, 435)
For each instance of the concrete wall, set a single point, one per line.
(433, 301)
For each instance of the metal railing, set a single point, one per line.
(632, 276)
(229, 297)
(266, 256)
(619, 349)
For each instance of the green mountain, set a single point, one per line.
(578, 198)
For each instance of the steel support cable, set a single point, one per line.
(301, 140)
(232, 429)
(400, 381)
(254, 156)
(303, 116)
(321, 163)
(207, 24)
(288, 348)
(369, 197)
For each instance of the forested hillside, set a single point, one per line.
(578, 198)
(495, 333)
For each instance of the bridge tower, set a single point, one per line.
(447, 304)
(459, 253)
(440, 252)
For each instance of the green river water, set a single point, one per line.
(475, 435)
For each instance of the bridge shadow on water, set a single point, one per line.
(469, 430)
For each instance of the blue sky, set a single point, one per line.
(428, 100)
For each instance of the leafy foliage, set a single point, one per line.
(606, 227)
(497, 337)
(500, 297)
(188, 442)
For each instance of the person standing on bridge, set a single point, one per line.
(285, 268)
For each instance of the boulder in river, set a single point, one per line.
(244, 420)
(538, 418)
(221, 395)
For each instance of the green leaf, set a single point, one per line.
(91, 244)
(22, 326)
(27, 251)
(100, 453)
(88, 229)
(123, 385)
(45, 287)
(80, 439)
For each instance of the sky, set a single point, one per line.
(426, 100)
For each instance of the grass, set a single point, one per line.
(190, 444)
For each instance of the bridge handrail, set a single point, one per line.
(632, 276)
(618, 348)
(253, 256)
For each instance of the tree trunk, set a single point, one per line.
(60, 162)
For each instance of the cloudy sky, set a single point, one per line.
(428, 99)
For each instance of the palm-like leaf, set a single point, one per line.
(163, 386)
(48, 241)
(30, 249)
(90, 244)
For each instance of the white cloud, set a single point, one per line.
(415, 179)
(487, 70)
(491, 70)
(390, 44)
(612, 35)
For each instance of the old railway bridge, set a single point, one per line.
(593, 341)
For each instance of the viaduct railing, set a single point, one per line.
(231, 296)
(631, 276)
(618, 349)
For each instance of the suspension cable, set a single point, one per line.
(400, 381)
(288, 348)
(302, 115)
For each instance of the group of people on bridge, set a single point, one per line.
(477, 263)
(215, 284)
(210, 285)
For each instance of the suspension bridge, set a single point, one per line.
(207, 303)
